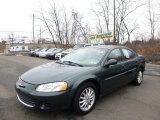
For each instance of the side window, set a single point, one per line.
(128, 54)
(115, 54)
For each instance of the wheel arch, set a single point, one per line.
(93, 81)
(89, 80)
(142, 67)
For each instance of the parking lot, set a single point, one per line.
(127, 103)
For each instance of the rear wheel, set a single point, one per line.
(139, 78)
(85, 98)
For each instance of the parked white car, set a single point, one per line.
(64, 53)
(45, 53)
(58, 56)
(42, 50)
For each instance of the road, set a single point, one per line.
(127, 103)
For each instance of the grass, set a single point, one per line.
(2, 47)
(150, 50)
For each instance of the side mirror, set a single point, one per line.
(110, 62)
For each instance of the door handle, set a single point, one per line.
(123, 67)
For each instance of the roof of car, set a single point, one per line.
(108, 46)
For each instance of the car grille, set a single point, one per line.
(26, 101)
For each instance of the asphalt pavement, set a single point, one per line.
(127, 103)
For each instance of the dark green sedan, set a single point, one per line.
(80, 78)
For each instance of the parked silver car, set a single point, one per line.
(63, 53)
(42, 50)
(45, 53)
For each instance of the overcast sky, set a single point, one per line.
(16, 15)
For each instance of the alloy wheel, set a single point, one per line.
(87, 99)
(140, 77)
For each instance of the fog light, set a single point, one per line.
(45, 106)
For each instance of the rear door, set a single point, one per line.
(130, 64)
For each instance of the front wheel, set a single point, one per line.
(85, 98)
(139, 78)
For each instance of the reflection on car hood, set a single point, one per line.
(45, 52)
(52, 72)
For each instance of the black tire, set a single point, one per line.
(139, 78)
(76, 102)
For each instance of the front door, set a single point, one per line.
(112, 76)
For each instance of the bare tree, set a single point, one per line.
(122, 12)
(104, 16)
(99, 27)
(47, 24)
(152, 19)
(64, 27)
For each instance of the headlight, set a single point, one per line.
(52, 87)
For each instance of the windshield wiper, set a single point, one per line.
(72, 63)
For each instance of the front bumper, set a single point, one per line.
(25, 102)
(29, 97)
(57, 57)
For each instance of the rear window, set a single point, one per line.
(128, 54)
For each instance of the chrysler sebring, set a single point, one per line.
(80, 78)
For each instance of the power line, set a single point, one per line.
(33, 32)
(14, 31)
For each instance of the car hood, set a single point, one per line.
(53, 53)
(58, 53)
(45, 52)
(52, 72)
(68, 51)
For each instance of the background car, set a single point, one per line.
(63, 53)
(36, 54)
(32, 53)
(45, 53)
(80, 78)
(58, 56)
(51, 56)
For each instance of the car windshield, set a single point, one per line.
(86, 56)
(95, 44)
(57, 50)
(37, 49)
(68, 50)
(78, 46)
(44, 49)
(50, 50)
(87, 45)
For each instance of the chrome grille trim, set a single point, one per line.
(28, 105)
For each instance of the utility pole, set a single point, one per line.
(40, 33)
(11, 37)
(114, 14)
(33, 33)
